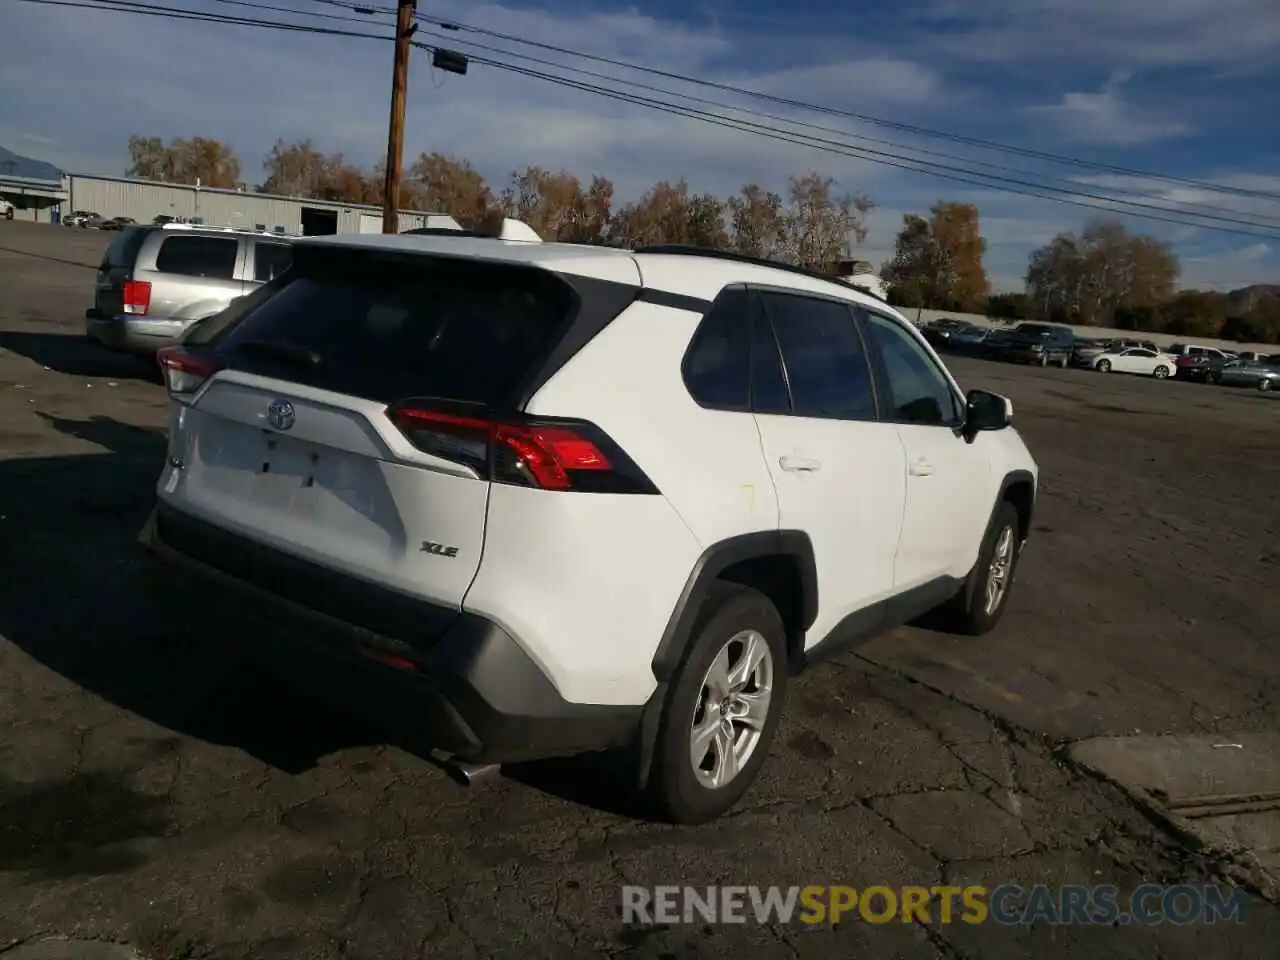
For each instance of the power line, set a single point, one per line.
(1074, 187)
(990, 181)
(1172, 206)
(864, 118)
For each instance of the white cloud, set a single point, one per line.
(1106, 118)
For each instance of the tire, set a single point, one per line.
(1161, 372)
(1264, 384)
(677, 792)
(970, 613)
(1103, 366)
(1211, 378)
(1044, 359)
(1063, 361)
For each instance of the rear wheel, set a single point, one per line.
(1063, 361)
(1104, 366)
(722, 709)
(1044, 359)
(1211, 377)
(1160, 372)
(1264, 384)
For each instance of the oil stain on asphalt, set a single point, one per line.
(79, 825)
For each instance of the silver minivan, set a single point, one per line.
(156, 281)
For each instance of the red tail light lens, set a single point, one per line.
(137, 297)
(547, 455)
(185, 370)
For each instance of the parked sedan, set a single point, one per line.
(1257, 374)
(1139, 360)
(117, 223)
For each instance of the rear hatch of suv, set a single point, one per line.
(352, 414)
(116, 272)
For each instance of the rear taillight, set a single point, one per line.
(186, 370)
(546, 454)
(137, 297)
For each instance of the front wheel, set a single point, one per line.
(1160, 373)
(1210, 377)
(1063, 361)
(1264, 384)
(980, 605)
(1104, 366)
(722, 709)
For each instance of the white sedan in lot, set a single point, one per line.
(1149, 363)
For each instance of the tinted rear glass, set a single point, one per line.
(390, 329)
(124, 248)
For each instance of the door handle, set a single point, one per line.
(920, 468)
(799, 464)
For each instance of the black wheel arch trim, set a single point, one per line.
(714, 561)
(1011, 479)
(679, 632)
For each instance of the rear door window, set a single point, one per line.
(826, 363)
(387, 330)
(213, 258)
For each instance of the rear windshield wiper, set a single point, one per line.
(294, 353)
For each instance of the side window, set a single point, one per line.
(717, 366)
(826, 363)
(918, 390)
(211, 257)
(270, 260)
(768, 385)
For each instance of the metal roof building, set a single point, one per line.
(144, 200)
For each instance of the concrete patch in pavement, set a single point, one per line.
(1220, 792)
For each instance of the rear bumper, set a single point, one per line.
(472, 690)
(129, 334)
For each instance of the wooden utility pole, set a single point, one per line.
(395, 131)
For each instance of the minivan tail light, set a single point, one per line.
(137, 297)
(185, 370)
(546, 454)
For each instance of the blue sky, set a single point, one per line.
(1182, 87)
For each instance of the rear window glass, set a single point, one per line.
(124, 248)
(387, 330)
(211, 257)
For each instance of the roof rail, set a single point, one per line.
(212, 228)
(688, 250)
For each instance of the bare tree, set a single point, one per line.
(1105, 269)
(757, 223)
(822, 225)
(443, 184)
(556, 206)
(669, 213)
(184, 160)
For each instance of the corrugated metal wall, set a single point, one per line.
(144, 201)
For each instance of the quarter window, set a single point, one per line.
(717, 368)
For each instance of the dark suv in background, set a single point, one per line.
(1041, 343)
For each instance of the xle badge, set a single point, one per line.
(439, 549)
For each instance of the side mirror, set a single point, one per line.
(986, 411)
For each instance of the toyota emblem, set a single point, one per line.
(280, 415)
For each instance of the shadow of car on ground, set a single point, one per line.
(72, 598)
(78, 356)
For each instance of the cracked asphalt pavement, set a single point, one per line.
(205, 811)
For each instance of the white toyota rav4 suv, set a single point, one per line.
(556, 499)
